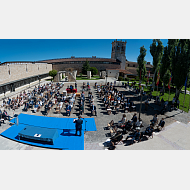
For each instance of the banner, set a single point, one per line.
(158, 78)
(170, 81)
(148, 76)
(185, 85)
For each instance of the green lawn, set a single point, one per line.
(181, 99)
(85, 78)
(187, 88)
(166, 95)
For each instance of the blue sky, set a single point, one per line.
(41, 49)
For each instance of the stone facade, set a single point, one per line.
(78, 67)
(118, 52)
(13, 76)
(14, 72)
(112, 73)
(89, 74)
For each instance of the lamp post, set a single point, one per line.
(140, 104)
(39, 80)
(106, 78)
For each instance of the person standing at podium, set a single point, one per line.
(78, 125)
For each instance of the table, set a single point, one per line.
(69, 90)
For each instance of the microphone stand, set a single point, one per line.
(85, 125)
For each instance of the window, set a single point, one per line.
(133, 65)
(128, 65)
(9, 70)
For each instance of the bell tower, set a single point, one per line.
(118, 52)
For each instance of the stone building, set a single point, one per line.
(131, 67)
(118, 52)
(71, 64)
(16, 74)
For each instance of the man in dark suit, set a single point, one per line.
(134, 118)
(161, 124)
(81, 109)
(79, 123)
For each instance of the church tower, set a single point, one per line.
(118, 52)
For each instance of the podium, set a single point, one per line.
(38, 134)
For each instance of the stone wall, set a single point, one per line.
(112, 73)
(78, 67)
(15, 72)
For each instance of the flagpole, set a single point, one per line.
(185, 92)
(169, 86)
(169, 95)
(183, 101)
(140, 103)
(189, 101)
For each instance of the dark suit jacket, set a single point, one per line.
(162, 123)
(79, 123)
(92, 107)
(134, 118)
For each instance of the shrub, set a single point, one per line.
(120, 78)
(53, 73)
(137, 78)
(93, 70)
(150, 79)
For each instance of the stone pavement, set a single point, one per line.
(175, 135)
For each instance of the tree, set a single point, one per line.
(85, 67)
(141, 63)
(156, 50)
(93, 70)
(180, 63)
(53, 73)
(166, 78)
(165, 67)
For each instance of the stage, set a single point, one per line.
(62, 129)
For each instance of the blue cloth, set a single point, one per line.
(66, 140)
(53, 122)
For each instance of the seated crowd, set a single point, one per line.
(133, 127)
(34, 99)
(114, 99)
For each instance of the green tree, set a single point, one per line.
(165, 67)
(156, 50)
(166, 78)
(141, 63)
(180, 64)
(85, 67)
(53, 73)
(93, 70)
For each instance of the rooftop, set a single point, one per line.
(80, 59)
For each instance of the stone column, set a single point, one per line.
(89, 74)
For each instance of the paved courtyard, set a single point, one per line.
(173, 137)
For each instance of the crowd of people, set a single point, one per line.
(114, 99)
(133, 127)
(44, 95)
